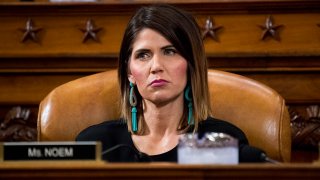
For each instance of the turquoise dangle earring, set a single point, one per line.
(133, 103)
(189, 99)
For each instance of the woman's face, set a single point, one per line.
(155, 66)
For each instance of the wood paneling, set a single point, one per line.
(288, 84)
(240, 36)
(29, 88)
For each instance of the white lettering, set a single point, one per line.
(34, 152)
(58, 152)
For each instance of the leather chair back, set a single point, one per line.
(255, 108)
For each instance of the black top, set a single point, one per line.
(118, 145)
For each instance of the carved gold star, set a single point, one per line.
(210, 29)
(269, 29)
(30, 32)
(90, 31)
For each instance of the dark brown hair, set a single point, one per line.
(181, 29)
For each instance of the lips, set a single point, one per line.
(158, 83)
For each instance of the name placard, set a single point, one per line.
(13, 151)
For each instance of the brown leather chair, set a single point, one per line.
(255, 108)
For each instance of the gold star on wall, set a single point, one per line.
(210, 29)
(90, 31)
(269, 29)
(30, 32)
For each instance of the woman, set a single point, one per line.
(164, 91)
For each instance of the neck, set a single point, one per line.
(163, 119)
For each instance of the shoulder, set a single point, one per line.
(217, 125)
(102, 130)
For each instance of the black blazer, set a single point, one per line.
(118, 146)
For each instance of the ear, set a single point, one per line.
(131, 78)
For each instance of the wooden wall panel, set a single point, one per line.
(241, 35)
(60, 36)
(288, 84)
(30, 89)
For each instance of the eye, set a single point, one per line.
(170, 51)
(142, 55)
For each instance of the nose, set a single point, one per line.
(156, 64)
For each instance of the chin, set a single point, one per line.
(164, 99)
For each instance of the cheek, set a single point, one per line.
(181, 71)
(136, 73)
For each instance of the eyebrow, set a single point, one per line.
(148, 50)
(141, 50)
(168, 46)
